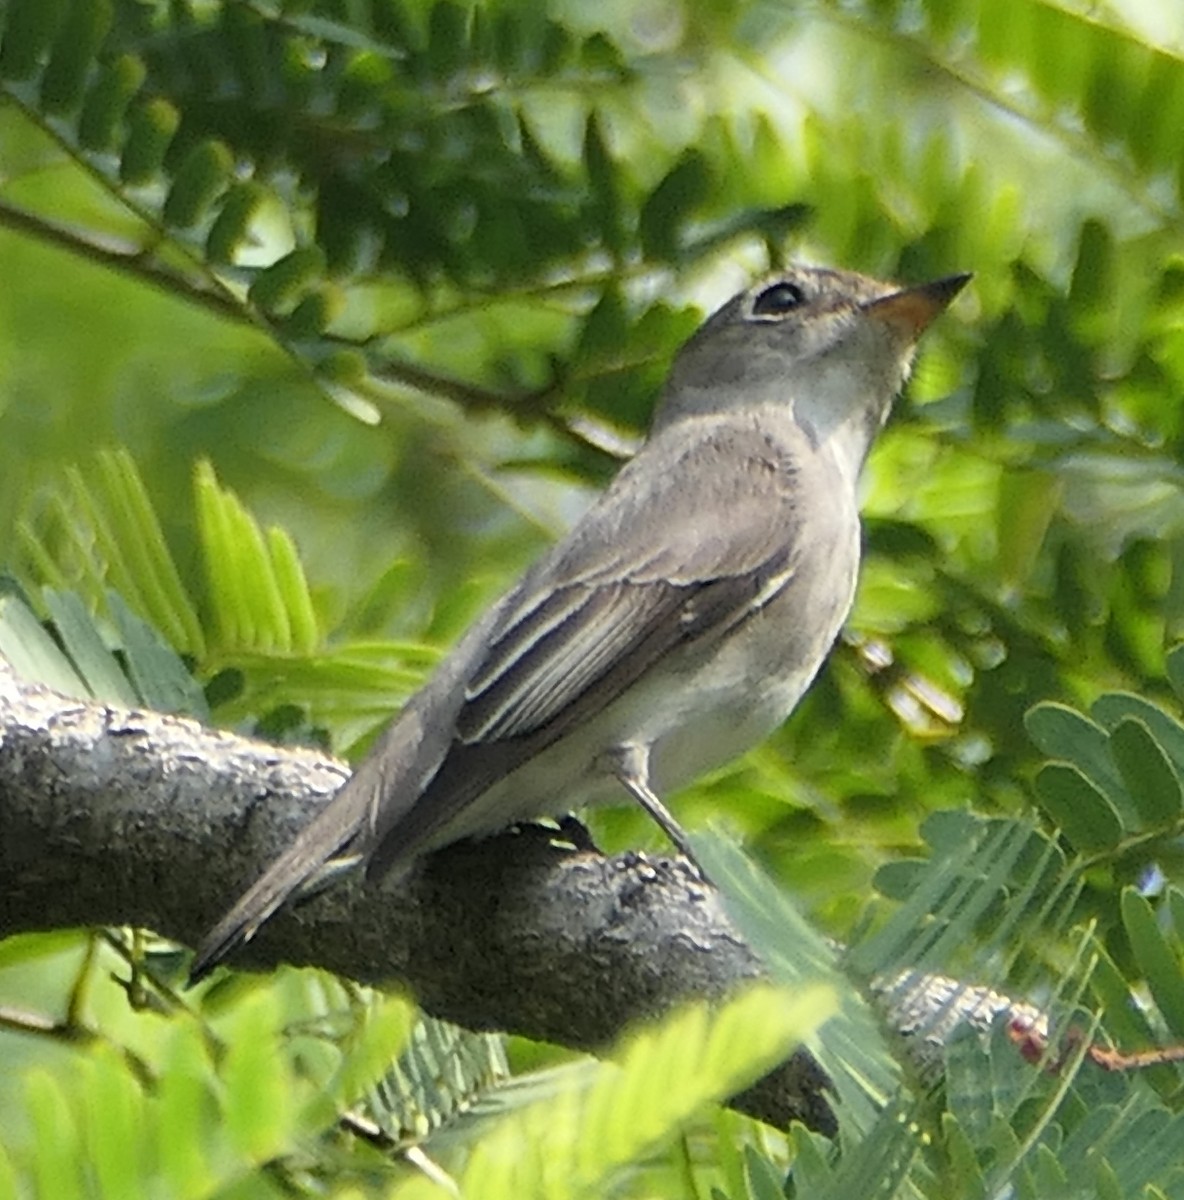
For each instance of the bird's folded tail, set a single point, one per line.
(317, 855)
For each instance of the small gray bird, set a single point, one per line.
(677, 624)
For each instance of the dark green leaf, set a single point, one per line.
(448, 36)
(1114, 707)
(107, 101)
(199, 181)
(1080, 810)
(605, 332)
(246, 41)
(1125, 1020)
(159, 675)
(232, 224)
(1063, 733)
(29, 29)
(898, 880)
(1092, 286)
(669, 207)
(85, 645)
(1174, 662)
(1151, 778)
(603, 183)
(74, 48)
(281, 284)
(1160, 965)
(150, 130)
(965, 1172)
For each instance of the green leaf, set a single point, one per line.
(603, 185)
(280, 286)
(885, 1155)
(965, 1172)
(1174, 663)
(304, 629)
(656, 1082)
(118, 1128)
(1092, 287)
(9, 1188)
(151, 127)
(1147, 1148)
(1124, 1020)
(185, 1111)
(1159, 964)
(57, 1163)
(851, 1048)
(316, 310)
(765, 1181)
(107, 102)
(1082, 812)
(1150, 776)
(258, 1102)
(1026, 506)
(448, 36)
(200, 179)
(962, 880)
(898, 880)
(1113, 708)
(161, 678)
(1048, 1175)
(256, 587)
(245, 37)
(84, 644)
(1063, 733)
(28, 32)
(1175, 902)
(77, 43)
(232, 225)
(131, 534)
(32, 653)
(374, 1044)
(604, 334)
(668, 208)
(812, 1154)
(105, 533)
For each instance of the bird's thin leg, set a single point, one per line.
(631, 765)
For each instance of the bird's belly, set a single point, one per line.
(738, 698)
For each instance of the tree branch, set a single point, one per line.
(111, 816)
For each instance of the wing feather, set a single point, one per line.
(548, 670)
(669, 555)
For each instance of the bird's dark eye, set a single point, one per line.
(778, 298)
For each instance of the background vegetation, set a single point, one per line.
(320, 319)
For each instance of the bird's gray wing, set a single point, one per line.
(697, 533)
(686, 542)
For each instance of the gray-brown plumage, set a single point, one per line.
(681, 619)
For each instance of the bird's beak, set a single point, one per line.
(911, 310)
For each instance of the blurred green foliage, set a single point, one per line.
(320, 318)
